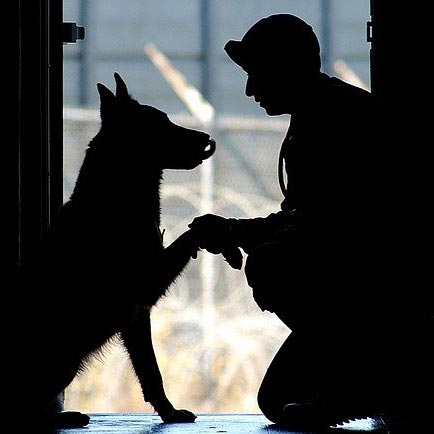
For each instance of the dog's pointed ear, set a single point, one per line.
(107, 99)
(105, 94)
(121, 87)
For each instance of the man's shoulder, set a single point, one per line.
(350, 100)
(338, 88)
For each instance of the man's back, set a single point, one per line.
(337, 150)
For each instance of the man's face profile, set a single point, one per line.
(273, 89)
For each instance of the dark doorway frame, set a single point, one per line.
(386, 34)
(35, 168)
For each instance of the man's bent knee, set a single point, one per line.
(271, 400)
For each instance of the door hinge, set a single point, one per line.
(369, 31)
(72, 33)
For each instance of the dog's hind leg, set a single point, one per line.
(53, 417)
(70, 419)
(138, 342)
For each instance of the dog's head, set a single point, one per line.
(156, 139)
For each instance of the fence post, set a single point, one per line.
(204, 112)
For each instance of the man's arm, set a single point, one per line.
(215, 232)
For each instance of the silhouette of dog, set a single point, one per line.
(104, 264)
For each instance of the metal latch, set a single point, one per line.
(369, 31)
(72, 33)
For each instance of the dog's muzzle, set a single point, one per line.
(209, 149)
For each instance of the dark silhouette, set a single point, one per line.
(104, 265)
(331, 262)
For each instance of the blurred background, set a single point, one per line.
(212, 342)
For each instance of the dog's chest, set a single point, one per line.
(152, 236)
(160, 234)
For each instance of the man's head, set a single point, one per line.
(281, 56)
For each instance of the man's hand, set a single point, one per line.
(213, 225)
(213, 233)
(233, 257)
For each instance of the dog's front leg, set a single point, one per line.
(137, 339)
(169, 265)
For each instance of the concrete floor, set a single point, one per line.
(205, 423)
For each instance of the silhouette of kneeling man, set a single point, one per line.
(330, 263)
